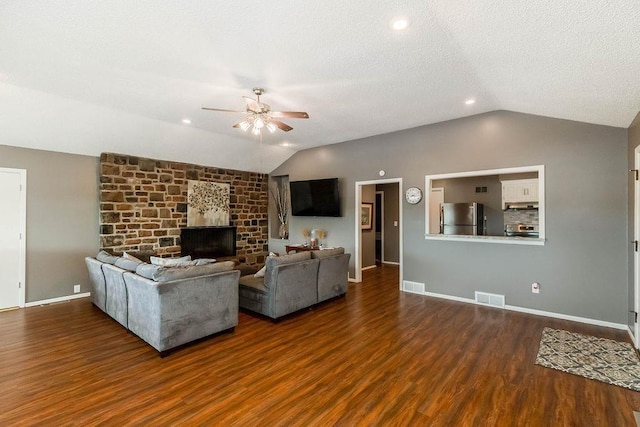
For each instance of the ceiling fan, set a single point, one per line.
(260, 115)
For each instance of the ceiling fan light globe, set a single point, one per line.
(255, 131)
(244, 125)
(272, 128)
(258, 123)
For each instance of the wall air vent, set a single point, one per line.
(413, 287)
(493, 300)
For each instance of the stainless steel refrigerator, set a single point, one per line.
(462, 219)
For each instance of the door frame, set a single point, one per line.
(358, 231)
(23, 232)
(636, 254)
(381, 193)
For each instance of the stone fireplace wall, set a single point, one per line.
(143, 205)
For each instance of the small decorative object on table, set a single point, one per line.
(306, 233)
(321, 236)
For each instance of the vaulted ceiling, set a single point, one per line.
(121, 76)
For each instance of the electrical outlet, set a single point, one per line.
(76, 289)
(535, 287)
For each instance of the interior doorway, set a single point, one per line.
(12, 237)
(361, 206)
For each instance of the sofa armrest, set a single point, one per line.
(98, 286)
(333, 276)
(292, 287)
(170, 314)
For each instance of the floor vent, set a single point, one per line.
(494, 300)
(413, 287)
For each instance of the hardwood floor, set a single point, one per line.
(376, 357)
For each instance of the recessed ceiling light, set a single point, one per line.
(470, 101)
(399, 24)
(286, 144)
(186, 121)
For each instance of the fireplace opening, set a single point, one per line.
(208, 242)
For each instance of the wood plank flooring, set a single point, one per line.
(376, 357)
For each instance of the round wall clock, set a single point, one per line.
(413, 195)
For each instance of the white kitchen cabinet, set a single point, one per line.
(519, 191)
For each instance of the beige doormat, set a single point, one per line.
(598, 359)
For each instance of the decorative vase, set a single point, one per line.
(282, 231)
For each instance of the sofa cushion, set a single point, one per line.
(287, 259)
(147, 270)
(255, 283)
(106, 257)
(168, 262)
(324, 253)
(127, 264)
(167, 274)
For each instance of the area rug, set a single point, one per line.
(598, 359)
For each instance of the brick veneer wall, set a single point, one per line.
(143, 205)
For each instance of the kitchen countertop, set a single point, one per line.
(509, 240)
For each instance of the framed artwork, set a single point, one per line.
(365, 215)
(208, 203)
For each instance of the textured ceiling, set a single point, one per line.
(93, 76)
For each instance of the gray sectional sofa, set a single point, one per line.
(296, 281)
(166, 306)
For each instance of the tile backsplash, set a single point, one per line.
(521, 216)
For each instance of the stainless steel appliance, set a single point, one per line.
(521, 230)
(462, 219)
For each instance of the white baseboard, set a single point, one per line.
(391, 262)
(58, 299)
(369, 267)
(536, 312)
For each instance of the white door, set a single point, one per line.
(11, 235)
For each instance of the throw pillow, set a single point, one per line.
(106, 257)
(204, 261)
(169, 262)
(261, 272)
(130, 257)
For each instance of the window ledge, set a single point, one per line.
(532, 241)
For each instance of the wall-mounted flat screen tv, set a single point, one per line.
(318, 197)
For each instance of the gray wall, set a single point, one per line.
(62, 219)
(391, 214)
(634, 141)
(582, 268)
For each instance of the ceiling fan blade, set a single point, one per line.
(290, 114)
(252, 104)
(220, 109)
(282, 126)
